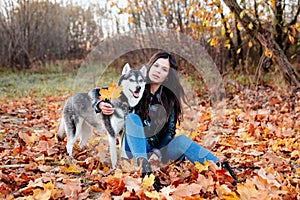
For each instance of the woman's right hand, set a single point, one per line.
(107, 108)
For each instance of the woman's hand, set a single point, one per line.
(156, 156)
(107, 108)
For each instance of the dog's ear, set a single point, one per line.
(126, 69)
(144, 70)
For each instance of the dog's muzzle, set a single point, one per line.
(136, 93)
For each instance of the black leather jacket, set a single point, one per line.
(163, 137)
(159, 129)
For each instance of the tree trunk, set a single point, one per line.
(265, 38)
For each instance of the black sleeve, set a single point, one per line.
(96, 100)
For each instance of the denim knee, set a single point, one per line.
(134, 126)
(183, 140)
(181, 143)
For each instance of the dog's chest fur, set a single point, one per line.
(115, 123)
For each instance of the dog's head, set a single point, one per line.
(133, 83)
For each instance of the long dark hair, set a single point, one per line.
(172, 91)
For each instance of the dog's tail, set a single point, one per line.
(61, 132)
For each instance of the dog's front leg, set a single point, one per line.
(113, 150)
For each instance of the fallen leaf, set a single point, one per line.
(132, 183)
(71, 169)
(71, 188)
(247, 191)
(186, 190)
(152, 194)
(148, 181)
(46, 193)
(116, 185)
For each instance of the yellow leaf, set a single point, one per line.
(224, 192)
(228, 26)
(49, 186)
(239, 26)
(250, 26)
(223, 31)
(238, 51)
(291, 39)
(268, 53)
(273, 3)
(230, 196)
(113, 92)
(118, 173)
(227, 44)
(213, 42)
(152, 194)
(131, 19)
(148, 181)
(201, 167)
(194, 134)
(247, 190)
(116, 93)
(242, 14)
(298, 27)
(298, 171)
(70, 169)
(44, 194)
(266, 131)
(113, 4)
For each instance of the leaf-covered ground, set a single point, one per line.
(260, 138)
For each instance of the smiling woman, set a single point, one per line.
(158, 73)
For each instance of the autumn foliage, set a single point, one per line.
(260, 139)
(112, 92)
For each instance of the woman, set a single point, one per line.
(151, 129)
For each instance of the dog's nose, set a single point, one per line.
(138, 88)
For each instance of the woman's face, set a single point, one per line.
(159, 71)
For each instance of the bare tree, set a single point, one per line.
(42, 30)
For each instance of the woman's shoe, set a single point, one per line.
(145, 165)
(225, 165)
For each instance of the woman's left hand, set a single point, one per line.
(156, 156)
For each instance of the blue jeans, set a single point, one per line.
(137, 146)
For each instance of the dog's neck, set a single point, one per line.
(122, 102)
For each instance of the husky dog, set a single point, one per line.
(79, 117)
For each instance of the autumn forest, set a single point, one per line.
(238, 62)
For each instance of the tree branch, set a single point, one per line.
(296, 16)
(264, 36)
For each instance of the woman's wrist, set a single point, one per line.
(97, 106)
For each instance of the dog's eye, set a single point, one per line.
(131, 80)
(141, 80)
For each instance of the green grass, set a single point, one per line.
(65, 78)
(53, 80)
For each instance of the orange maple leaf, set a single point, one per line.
(113, 92)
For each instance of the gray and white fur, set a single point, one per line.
(79, 117)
